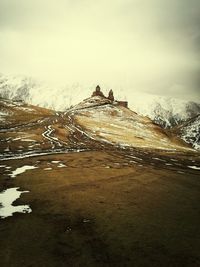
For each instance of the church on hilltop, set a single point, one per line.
(98, 92)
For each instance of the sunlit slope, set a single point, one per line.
(121, 126)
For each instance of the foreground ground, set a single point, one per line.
(102, 210)
(95, 204)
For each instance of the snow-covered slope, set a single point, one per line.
(167, 112)
(190, 131)
(106, 121)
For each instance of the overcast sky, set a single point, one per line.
(139, 45)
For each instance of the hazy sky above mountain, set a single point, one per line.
(136, 45)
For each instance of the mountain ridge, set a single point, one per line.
(168, 112)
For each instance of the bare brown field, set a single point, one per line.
(101, 210)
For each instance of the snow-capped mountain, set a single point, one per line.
(190, 131)
(167, 112)
(32, 91)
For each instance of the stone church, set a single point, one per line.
(98, 92)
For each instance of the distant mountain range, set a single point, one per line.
(166, 112)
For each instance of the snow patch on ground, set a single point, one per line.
(194, 167)
(28, 140)
(7, 197)
(26, 109)
(159, 159)
(61, 165)
(21, 170)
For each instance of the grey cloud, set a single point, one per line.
(151, 45)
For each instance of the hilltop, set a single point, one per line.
(108, 121)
